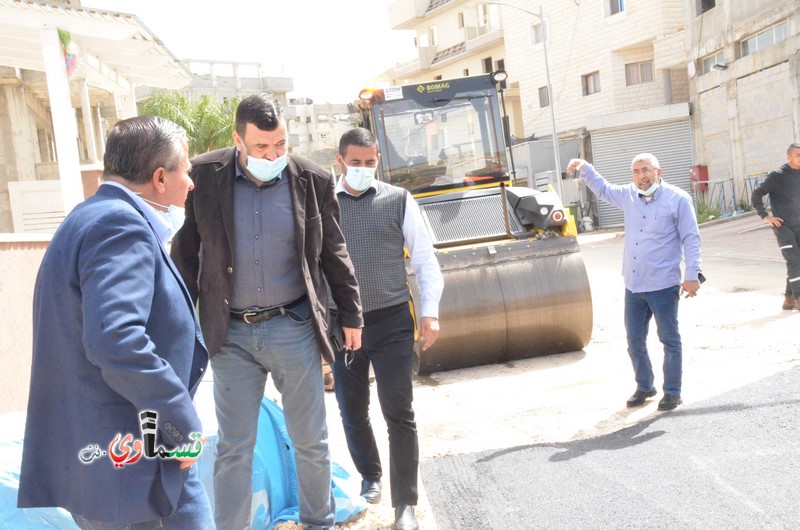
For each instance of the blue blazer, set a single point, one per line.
(114, 334)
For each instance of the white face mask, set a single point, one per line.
(263, 169)
(359, 178)
(175, 215)
(651, 190)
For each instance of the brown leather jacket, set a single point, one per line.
(209, 228)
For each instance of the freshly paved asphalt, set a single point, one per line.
(549, 443)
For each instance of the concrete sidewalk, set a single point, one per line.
(734, 333)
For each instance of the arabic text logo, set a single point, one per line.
(123, 453)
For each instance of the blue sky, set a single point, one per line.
(329, 47)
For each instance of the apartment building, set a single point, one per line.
(228, 79)
(745, 90)
(315, 129)
(619, 84)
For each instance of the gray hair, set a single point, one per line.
(792, 146)
(646, 157)
(136, 147)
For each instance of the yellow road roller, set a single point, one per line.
(515, 282)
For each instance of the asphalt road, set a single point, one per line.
(548, 442)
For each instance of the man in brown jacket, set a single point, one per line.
(261, 237)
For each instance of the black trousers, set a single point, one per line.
(788, 240)
(387, 342)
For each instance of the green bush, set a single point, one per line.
(706, 213)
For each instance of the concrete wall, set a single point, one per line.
(19, 260)
(746, 115)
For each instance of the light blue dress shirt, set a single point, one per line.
(659, 231)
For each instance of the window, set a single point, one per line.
(465, 72)
(591, 83)
(487, 65)
(483, 14)
(711, 60)
(544, 97)
(705, 5)
(500, 65)
(765, 39)
(434, 36)
(310, 137)
(639, 73)
(437, 78)
(537, 33)
(461, 20)
(616, 6)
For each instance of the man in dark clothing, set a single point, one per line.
(380, 220)
(783, 188)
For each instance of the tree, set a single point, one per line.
(209, 124)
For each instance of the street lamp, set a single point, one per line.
(499, 78)
(540, 17)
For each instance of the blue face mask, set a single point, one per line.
(649, 191)
(359, 178)
(175, 215)
(263, 169)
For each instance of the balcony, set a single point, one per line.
(406, 14)
(414, 66)
(481, 37)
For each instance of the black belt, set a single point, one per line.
(254, 315)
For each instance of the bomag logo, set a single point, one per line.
(435, 87)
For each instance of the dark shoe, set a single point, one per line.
(404, 518)
(789, 302)
(638, 397)
(371, 491)
(669, 402)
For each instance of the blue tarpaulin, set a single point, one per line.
(275, 496)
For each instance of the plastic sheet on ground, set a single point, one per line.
(275, 497)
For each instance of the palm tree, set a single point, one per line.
(209, 124)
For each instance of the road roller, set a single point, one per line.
(515, 282)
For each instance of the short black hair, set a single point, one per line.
(136, 147)
(262, 110)
(358, 136)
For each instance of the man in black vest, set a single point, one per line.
(380, 220)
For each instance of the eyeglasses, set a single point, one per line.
(644, 171)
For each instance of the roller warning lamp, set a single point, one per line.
(541, 209)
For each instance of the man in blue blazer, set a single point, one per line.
(111, 432)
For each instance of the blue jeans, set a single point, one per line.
(639, 308)
(193, 513)
(286, 347)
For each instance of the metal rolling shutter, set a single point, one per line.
(614, 149)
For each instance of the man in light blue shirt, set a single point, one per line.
(660, 227)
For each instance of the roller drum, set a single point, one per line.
(509, 300)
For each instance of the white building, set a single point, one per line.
(53, 120)
(315, 129)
